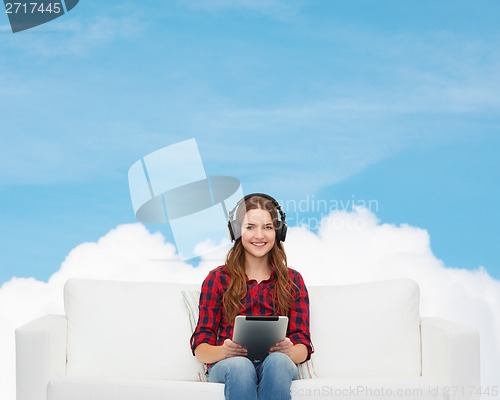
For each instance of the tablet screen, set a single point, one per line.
(259, 333)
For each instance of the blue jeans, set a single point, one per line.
(269, 379)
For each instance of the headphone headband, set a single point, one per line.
(235, 228)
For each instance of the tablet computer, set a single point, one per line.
(259, 333)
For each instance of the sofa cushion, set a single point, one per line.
(369, 329)
(341, 389)
(128, 330)
(77, 388)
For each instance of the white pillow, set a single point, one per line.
(369, 329)
(191, 300)
(128, 330)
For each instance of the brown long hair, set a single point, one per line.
(235, 263)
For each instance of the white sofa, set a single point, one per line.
(130, 341)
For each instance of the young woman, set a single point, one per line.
(255, 280)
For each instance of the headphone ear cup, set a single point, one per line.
(281, 233)
(234, 230)
(230, 231)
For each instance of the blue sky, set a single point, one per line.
(397, 102)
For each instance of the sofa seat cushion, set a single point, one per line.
(368, 329)
(75, 388)
(366, 388)
(341, 389)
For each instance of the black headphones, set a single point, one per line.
(234, 226)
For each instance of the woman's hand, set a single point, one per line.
(231, 349)
(285, 347)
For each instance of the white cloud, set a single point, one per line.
(349, 247)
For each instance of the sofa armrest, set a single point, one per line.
(450, 357)
(40, 355)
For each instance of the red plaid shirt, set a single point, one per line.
(213, 328)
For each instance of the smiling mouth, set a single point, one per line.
(259, 244)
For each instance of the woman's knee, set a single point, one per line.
(239, 364)
(278, 358)
(280, 362)
(235, 367)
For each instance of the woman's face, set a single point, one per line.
(257, 233)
